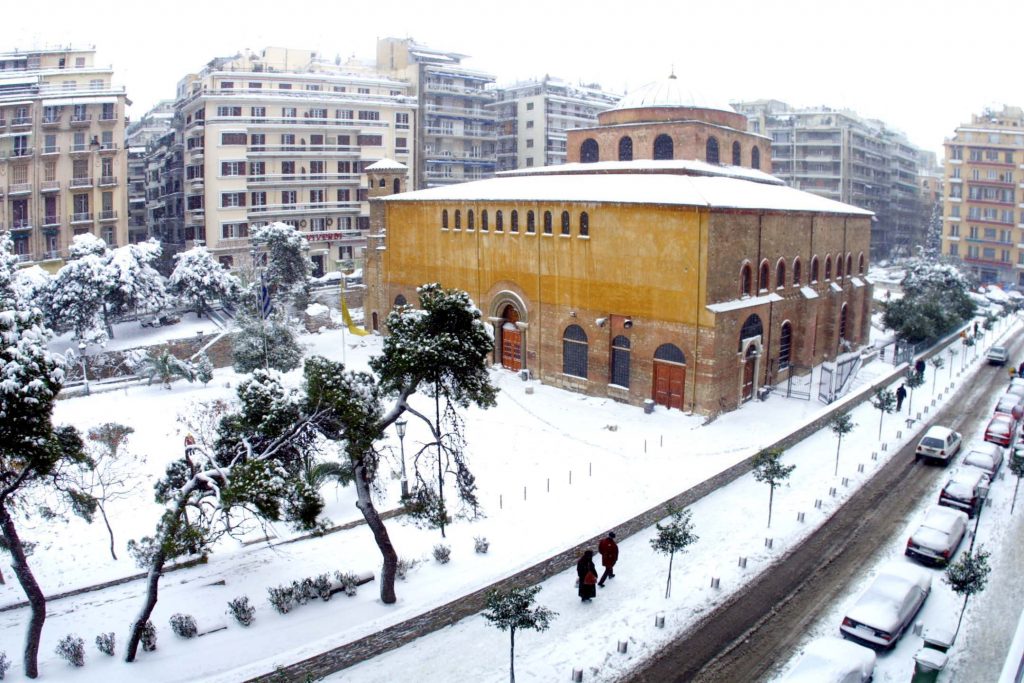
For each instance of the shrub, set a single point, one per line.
(300, 591)
(404, 567)
(241, 610)
(442, 553)
(5, 665)
(105, 643)
(72, 648)
(349, 582)
(322, 585)
(184, 625)
(481, 545)
(281, 598)
(148, 637)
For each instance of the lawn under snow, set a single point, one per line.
(622, 462)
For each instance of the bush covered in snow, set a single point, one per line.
(281, 598)
(404, 567)
(149, 637)
(5, 665)
(184, 625)
(481, 545)
(349, 582)
(442, 553)
(105, 643)
(72, 648)
(322, 584)
(241, 610)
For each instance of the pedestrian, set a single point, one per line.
(609, 550)
(587, 573)
(919, 366)
(1020, 369)
(901, 395)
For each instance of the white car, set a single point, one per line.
(883, 612)
(985, 456)
(997, 355)
(938, 443)
(938, 537)
(832, 660)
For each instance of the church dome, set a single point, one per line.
(668, 93)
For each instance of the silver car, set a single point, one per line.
(940, 534)
(883, 612)
(831, 660)
(985, 456)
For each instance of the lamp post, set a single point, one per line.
(85, 370)
(400, 428)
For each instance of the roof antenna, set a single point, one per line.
(672, 75)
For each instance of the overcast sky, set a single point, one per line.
(920, 66)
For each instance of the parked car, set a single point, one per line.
(985, 456)
(997, 355)
(965, 490)
(883, 612)
(1007, 402)
(938, 443)
(938, 537)
(833, 660)
(1015, 389)
(1001, 429)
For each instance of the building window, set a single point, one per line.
(565, 222)
(584, 224)
(828, 267)
(369, 115)
(483, 221)
(711, 151)
(370, 140)
(780, 274)
(620, 361)
(470, 222)
(663, 147)
(762, 280)
(444, 219)
(785, 344)
(860, 264)
(849, 265)
(547, 222)
(746, 280)
(843, 317)
(589, 152)
(751, 328)
(529, 106)
(814, 269)
(531, 225)
(529, 143)
(626, 148)
(458, 219)
(755, 158)
(289, 197)
(400, 300)
(401, 121)
(514, 226)
(736, 154)
(229, 111)
(529, 124)
(574, 351)
(839, 266)
(232, 138)
(232, 168)
(232, 199)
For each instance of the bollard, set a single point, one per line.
(919, 416)
(590, 470)
(577, 675)
(899, 433)
(524, 493)
(918, 628)
(769, 542)
(846, 481)
(799, 516)
(645, 445)
(661, 441)
(832, 492)
(860, 467)
(500, 505)
(817, 503)
(885, 447)
(714, 582)
(549, 484)
(742, 563)
(622, 647)
(659, 621)
(933, 402)
(570, 477)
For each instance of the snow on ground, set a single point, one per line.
(622, 462)
(131, 334)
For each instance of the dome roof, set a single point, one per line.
(668, 93)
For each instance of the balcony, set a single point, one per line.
(49, 186)
(107, 119)
(80, 148)
(3, 122)
(21, 224)
(19, 188)
(108, 180)
(108, 148)
(51, 222)
(52, 255)
(50, 122)
(80, 182)
(300, 150)
(80, 218)
(21, 122)
(22, 152)
(305, 208)
(51, 149)
(81, 120)
(24, 258)
(108, 215)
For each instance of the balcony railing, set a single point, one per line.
(21, 152)
(3, 122)
(21, 224)
(24, 258)
(49, 186)
(108, 147)
(19, 121)
(51, 221)
(109, 215)
(81, 217)
(50, 149)
(19, 188)
(80, 148)
(51, 255)
(302, 149)
(313, 207)
(50, 121)
(81, 181)
(107, 118)
(80, 120)
(108, 180)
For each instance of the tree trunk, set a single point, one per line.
(960, 620)
(1015, 487)
(668, 584)
(881, 414)
(838, 446)
(512, 656)
(380, 535)
(36, 599)
(152, 586)
(442, 513)
(110, 531)
(771, 498)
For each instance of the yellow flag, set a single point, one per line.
(347, 317)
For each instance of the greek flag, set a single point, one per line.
(266, 306)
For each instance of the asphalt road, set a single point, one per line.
(762, 624)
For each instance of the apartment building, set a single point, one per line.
(455, 131)
(533, 117)
(63, 166)
(164, 193)
(983, 224)
(841, 156)
(283, 135)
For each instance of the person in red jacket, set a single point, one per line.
(609, 550)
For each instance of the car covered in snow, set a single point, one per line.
(939, 444)
(884, 611)
(940, 534)
(985, 456)
(965, 490)
(997, 355)
(1007, 402)
(833, 660)
(1001, 429)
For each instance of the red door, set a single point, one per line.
(669, 382)
(748, 375)
(511, 347)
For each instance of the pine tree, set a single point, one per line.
(199, 279)
(514, 610)
(204, 368)
(135, 284)
(674, 537)
(76, 296)
(768, 469)
(288, 268)
(268, 344)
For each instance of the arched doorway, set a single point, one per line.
(589, 152)
(669, 376)
(749, 372)
(751, 334)
(511, 340)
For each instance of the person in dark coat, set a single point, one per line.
(609, 550)
(1020, 369)
(587, 573)
(919, 367)
(901, 396)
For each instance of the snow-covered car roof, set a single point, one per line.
(831, 660)
(938, 432)
(981, 460)
(879, 606)
(942, 518)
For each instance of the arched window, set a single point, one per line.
(785, 344)
(746, 280)
(843, 315)
(711, 151)
(589, 152)
(751, 328)
(620, 361)
(736, 161)
(780, 274)
(584, 224)
(663, 148)
(626, 148)
(796, 272)
(469, 220)
(499, 221)
(860, 263)
(814, 269)
(839, 266)
(574, 351)
(565, 222)
(458, 219)
(483, 221)
(547, 222)
(400, 301)
(531, 224)
(515, 221)
(396, 188)
(444, 219)
(762, 276)
(849, 265)
(670, 353)
(382, 183)
(755, 157)
(376, 321)
(828, 266)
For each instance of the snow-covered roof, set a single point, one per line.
(387, 165)
(747, 302)
(679, 166)
(678, 190)
(808, 292)
(669, 92)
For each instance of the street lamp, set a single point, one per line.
(400, 428)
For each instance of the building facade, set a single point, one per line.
(983, 223)
(839, 155)
(283, 135)
(455, 132)
(535, 116)
(63, 165)
(684, 281)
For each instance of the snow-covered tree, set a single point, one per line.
(935, 302)
(198, 278)
(35, 456)
(288, 267)
(268, 344)
(135, 283)
(77, 294)
(165, 367)
(968, 576)
(884, 401)
(32, 285)
(675, 536)
(204, 368)
(768, 469)
(841, 424)
(514, 610)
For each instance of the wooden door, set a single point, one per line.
(669, 382)
(748, 378)
(511, 347)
